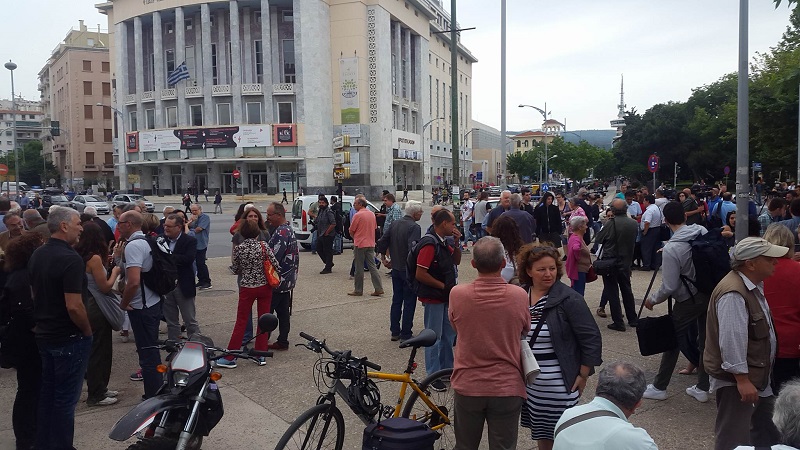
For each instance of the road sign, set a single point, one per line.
(726, 170)
(3, 169)
(545, 187)
(652, 164)
(756, 166)
(52, 180)
(236, 174)
(479, 176)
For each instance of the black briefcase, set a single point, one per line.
(655, 334)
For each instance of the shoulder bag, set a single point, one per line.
(655, 334)
(530, 367)
(608, 262)
(270, 264)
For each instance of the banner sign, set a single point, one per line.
(284, 135)
(132, 142)
(348, 79)
(197, 138)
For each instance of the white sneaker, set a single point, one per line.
(698, 394)
(654, 394)
(112, 394)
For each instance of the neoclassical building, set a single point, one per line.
(274, 85)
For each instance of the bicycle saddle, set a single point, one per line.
(425, 338)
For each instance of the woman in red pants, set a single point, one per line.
(248, 263)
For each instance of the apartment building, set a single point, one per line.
(29, 123)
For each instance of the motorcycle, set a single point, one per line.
(189, 405)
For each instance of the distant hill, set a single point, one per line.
(599, 138)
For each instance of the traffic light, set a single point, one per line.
(55, 128)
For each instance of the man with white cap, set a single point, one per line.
(740, 347)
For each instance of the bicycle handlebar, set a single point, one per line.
(173, 346)
(317, 346)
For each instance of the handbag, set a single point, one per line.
(273, 279)
(530, 367)
(655, 334)
(608, 262)
(591, 275)
(109, 306)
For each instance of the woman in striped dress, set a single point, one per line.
(567, 359)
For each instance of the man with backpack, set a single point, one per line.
(678, 281)
(134, 257)
(338, 239)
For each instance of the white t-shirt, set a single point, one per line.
(466, 210)
(652, 215)
(137, 254)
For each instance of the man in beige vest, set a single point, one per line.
(738, 361)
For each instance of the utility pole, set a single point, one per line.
(742, 131)
(675, 183)
(503, 147)
(454, 91)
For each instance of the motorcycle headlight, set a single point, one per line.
(180, 378)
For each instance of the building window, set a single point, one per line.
(149, 119)
(287, 15)
(169, 62)
(88, 111)
(223, 114)
(405, 121)
(168, 28)
(190, 58)
(109, 158)
(196, 115)
(259, 61)
(89, 158)
(90, 42)
(105, 66)
(214, 71)
(133, 121)
(257, 17)
(254, 112)
(87, 88)
(285, 112)
(106, 89)
(172, 116)
(188, 23)
(106, 113)
(414, 123)
(87, 66)
(88, 134)
(108, 135)
(288, 61)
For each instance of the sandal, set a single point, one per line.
(688, 370)
(601, 312)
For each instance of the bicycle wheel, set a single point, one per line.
(416, 409)
(321, 427)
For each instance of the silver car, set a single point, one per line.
(123, 199)
(80, 202)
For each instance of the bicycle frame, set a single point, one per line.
(405, 379)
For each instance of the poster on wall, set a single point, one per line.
(284, 135)
(132, 142)
(253, 136)
(348, 78)
(158, 140)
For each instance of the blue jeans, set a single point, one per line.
(63, 368)
(144, 323)
(579, 285)
(440, 355)
(314, 241)
(468, 236)
(404, 303)
(338, 241)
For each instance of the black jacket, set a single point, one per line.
(441, 269)
(184, 255)
(548, 219)
(399, 240)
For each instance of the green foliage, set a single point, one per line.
(32, 168)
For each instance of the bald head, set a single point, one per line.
(619, 206)
(129, 223)
(436, 209)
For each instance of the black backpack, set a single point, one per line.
(709, 255)
(715, 219)
(411, 259)
(162, 278)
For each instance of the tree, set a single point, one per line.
(523, 164)
(33, 170)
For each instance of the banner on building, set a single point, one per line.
(201, 138)
(132, 142)
(284, 135)
(348, 78)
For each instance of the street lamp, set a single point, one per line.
(424, 127)
(542, 161)
(544, 113)
(465, 152)
(123, 157)
(12, 67)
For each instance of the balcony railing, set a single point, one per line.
(149, 96)
(220, 90)
(252, 89)
(283, 89)
(130, 99)
(169, 94)
(414, 106)
(91, 167)
(396, 99)
(193, 91)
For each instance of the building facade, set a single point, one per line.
(29, 123)
(270, 84)
(73, 83)
(486, 162)
(526, 140)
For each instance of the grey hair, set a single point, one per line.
(488, 254)
(622, 383)
(574, 200)
(779, 234)
(736, 264)
(90, 210)
(361, 201)
(413, 207)
(516, 200)
(164, 211)
(59, 215)
(505, 192)
(786, 413)
(576, 221)
(15, 208)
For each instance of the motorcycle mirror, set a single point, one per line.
(267, 323)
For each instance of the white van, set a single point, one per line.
(11, 186)
(300, 217)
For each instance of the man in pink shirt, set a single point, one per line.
(487, 374)
(362, 229)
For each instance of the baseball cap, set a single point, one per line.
(753, 247)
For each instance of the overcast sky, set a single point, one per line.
(569, 54)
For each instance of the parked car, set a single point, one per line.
(49, 200)
(494, 191)
(123, 199)
(300, 219)
(80, 202)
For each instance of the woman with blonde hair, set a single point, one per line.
(564, 338)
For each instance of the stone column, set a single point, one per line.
(236, 63)
(424, 115)
(266, 52)
(198, 42)
(180, 58)
(222, 50)
(122, 88)
(247, 44)
(407, 56)
(164, 180)
(214, 177)
(158, 68)
(187, 175)
(139, 74)
(208, 73)
(397, 34)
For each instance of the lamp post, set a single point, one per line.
(544, 114)
(424, 127)
(12, 67)
(123, 157)
(465, 152)
(544, 161)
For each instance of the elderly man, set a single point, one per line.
(603, 423)
(283, 243)
(650, 231)
(182, 298)
(619, 233)
(523, 220)
(166, 212)
(396, 243)
(201, 224)
(786, 417)
(35, 223)
(393, 211)
(362, 228)
(14, 229)
(487, 383)
(505, 204)
(741, 346)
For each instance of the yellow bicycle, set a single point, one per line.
(322, 426)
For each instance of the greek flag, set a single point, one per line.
(180, 73)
